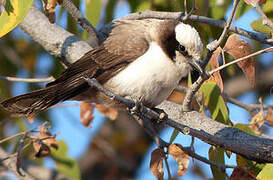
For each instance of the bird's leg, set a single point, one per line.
(138, 108)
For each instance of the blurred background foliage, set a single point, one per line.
(126, 142)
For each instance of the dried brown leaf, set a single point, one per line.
(181, 157)
(108, 112)
(216, 77)
(252, 1)
(30, 118)
(42, 144)
(156, 163)
(238, 48)
(269, 116)
(240, 173)
(86, 113)
(258, 120)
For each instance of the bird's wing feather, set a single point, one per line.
(123, 46)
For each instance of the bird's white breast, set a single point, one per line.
(150, 78)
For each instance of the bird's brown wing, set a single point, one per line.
(125, 43)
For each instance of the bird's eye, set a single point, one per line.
(181, 48)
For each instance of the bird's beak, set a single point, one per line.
(194, 64)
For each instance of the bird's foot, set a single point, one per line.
(138, 108)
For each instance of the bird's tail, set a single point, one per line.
(31, 103)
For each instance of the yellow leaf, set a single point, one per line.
(14, 12)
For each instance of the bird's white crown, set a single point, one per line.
(187, 36)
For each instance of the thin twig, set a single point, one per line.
(168, 168)
(214, 45)
(221, 167)
(64, 105)
(249, 107)
(266, 20)
(29, 80)
(241, 59)
(187, 15)
(204, 76)
(13, 136)
(76, 14)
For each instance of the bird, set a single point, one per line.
(142, 60)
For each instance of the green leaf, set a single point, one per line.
(218, 10)
(215, 102)
(93, 10)
(252, 166)
(109, 12)
(266, 173)
(14, 13)
(217, 155)
(245, 128)
(143, 6)
(242, 8)
(174, 135)
(268, 7)
(65, 164)
(72, 25)
(257, 25)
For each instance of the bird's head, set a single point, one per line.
(189, 47)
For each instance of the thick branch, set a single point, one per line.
(204, 128)
(53, 38)
(218, 134)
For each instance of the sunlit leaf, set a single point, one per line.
(215, 102)
(93, 11)
(14, 12)
(217, 155)
(143, 6)
(218, 8)
(257, 25)
(245, 128)
(242, 8)
(266, 172)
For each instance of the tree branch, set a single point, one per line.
(204, 128)
(266, 20)
(81, 20)
(53, 38)
(29, 80)
(262, 38)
